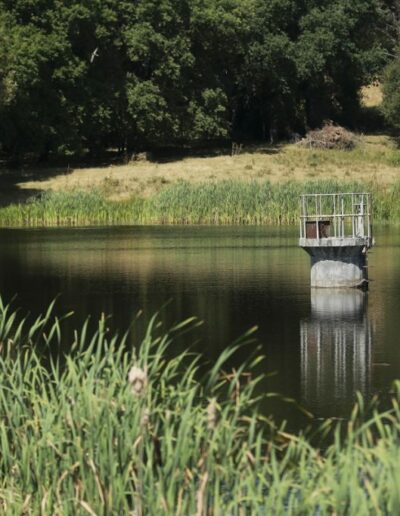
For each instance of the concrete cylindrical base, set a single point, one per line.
(338, 266)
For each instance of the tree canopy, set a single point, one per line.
(86, 75)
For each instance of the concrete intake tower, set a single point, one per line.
(336, 231)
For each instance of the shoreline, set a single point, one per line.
(259, 186)
(230, 202)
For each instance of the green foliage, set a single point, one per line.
(391, 94)
(82, 76)
(341, 48)
(77, 438)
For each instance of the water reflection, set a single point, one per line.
(335, 350)
(230, 277)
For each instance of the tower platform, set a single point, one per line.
(336, 231)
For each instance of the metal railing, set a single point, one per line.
(338, 215)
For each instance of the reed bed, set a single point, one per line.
(105, 429)
(71, 209)
(226, 202)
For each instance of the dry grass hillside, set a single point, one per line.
(375, 158)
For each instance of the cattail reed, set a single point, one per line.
(224, 202)
(100, 454)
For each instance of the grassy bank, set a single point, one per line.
(259, 186)
(374, 159)
(109, 430)
(224, 202)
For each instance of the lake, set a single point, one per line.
(321, 346)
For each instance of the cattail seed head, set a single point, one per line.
(138, 380)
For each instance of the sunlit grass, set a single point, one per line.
(375, 158)
(77, 437)
(227, 202)
(372, 95)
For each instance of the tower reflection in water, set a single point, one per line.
(335, 351)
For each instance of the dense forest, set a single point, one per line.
(80, 76)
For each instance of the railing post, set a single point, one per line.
(342, 217)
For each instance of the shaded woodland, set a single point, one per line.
(79, 77)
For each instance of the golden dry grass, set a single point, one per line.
(375, 159)
(372, 96)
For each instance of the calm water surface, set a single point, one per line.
(322, 346)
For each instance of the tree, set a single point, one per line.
(391, 94)
(27, 104)
(86, 75)
(270, 72)
(339, 50)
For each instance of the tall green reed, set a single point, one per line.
(78, 435)
(226, 202)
